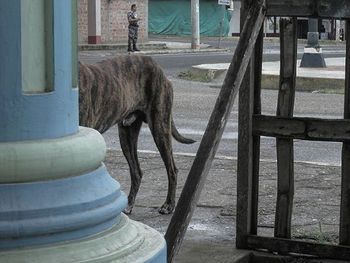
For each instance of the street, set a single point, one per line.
(194, 101)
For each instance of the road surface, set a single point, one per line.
(194, 102)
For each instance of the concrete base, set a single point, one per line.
(312, 58)
(330, 79)
(252, 256)
(126, 242)
(59, 204)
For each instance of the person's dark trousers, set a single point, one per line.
(132, 39)
(130, 49)
(134, 45)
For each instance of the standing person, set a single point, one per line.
(133, 29)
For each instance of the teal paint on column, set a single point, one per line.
(41, 115)
(57, 210)
(37, 41)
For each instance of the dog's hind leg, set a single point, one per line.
(161, 131)
(128, 136)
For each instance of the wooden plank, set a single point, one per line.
(285, 246)
(246, 216)
(344, 227)
(313, 129)
(285, 106)
(337, 9)
(258, 57)
(290, 7)
(309, 8)
(215, 128)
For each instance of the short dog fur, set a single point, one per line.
(129, 90)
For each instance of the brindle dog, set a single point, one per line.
(130, 90)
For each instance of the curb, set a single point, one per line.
(271, 81)
(119, 47)
(156, 48)
(312, 84)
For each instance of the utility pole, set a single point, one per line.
(195, 24)
(313, 57)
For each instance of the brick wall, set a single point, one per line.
(114, 24)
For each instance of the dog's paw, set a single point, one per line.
(166, 209)
(128, 210)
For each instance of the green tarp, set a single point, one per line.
(173, 17)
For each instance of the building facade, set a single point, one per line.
(173, 17)
(329, 29)
(159, 17)
(114, 24)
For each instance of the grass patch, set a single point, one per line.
(188, 75)
(318, 236)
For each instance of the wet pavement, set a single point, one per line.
(211, 233)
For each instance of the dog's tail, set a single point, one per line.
(178, 136)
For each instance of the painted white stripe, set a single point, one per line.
(226, 135)
(233, 158)
(312, 50)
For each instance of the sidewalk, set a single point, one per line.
(172, 44)
(308, 79)
(211, 234)
(159, 46)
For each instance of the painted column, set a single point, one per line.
(235, 19)
(195, 42)
(94, 21)
(313, 56)
(57, 201)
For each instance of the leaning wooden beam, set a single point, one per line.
(344, 224)
(212, 136)
(285, 106)
(285, 246)
(312, 129)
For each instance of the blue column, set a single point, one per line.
(58, 202)
(39, 115)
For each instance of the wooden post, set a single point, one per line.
(285, 153)
(248, 145)
(212, 136)
(256, 139)
(344, 228)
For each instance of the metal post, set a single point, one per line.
(221, 24)
(195, 24)
(313, 57)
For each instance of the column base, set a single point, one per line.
(128, 241)
(312, 58)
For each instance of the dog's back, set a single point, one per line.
(114, 88)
